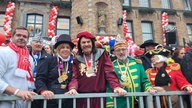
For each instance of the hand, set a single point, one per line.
(152, 91)
(72, 91)
(188, 89)
(120, 91)
(159, 89)
(26, 95)
(48, 94)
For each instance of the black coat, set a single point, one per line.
(47, 79)
(145, 61)
(186, 66)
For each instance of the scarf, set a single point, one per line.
(62, 59)
(23, 60)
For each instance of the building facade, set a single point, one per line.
(144, 18)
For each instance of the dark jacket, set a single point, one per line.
(47, 79)
(186, 66)
(145, 61)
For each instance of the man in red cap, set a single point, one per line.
(92, 70)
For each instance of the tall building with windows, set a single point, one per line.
(143, 19)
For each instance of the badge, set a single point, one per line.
(35, 56)
(124, 77)
(63, 86)
(62, 78)
(90, 72)
(163, 75)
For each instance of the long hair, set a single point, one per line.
(80, 52)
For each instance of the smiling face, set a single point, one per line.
(121, 53)
(20, 38)
(86, 45)
(36, 46)
(64, 50)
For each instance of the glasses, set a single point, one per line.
(121, 49)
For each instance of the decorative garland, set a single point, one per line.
(8, 19)
(132, 47)
(52, 21)
(164, 26)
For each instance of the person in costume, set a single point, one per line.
(131, 74)
(147, 46)
(166, 77)
(15, 70)
(92, 69)
(55, 72)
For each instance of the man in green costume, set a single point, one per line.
(131, 74)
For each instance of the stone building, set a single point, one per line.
(143, 18)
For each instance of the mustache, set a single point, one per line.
(22, 40)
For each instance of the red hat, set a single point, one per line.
(86, 35)
(139, 52)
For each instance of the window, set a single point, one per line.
(166, 4)
(35, 24)
(186, 4)
(144, 3)
(171, 36)
(63, 25)
(147, 32)
(189, 31)
(130, 28)
(126, 2)
(2, 16)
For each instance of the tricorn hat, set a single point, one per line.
(64, 38)
(148, 43)
(164, 52)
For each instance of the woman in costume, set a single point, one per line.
(55, 72)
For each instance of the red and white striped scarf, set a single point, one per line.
(23, 59)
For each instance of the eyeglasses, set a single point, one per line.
(121, 49)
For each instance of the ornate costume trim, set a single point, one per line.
(139, 61)
(175, 66)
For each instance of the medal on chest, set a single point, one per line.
(62, 71)
(90, 70)
(62, 78)
(124, 75)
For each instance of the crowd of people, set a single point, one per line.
(37, 69)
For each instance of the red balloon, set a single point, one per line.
(2, 39)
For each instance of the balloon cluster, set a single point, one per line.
(8, 19)
(2, 39)
(105, 39)
(52, 21)
(164, 26)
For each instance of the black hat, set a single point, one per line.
(64, 38)
(164, 52)
(148, 43)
